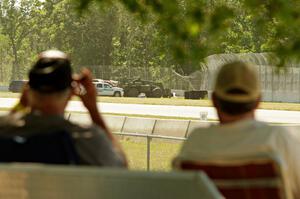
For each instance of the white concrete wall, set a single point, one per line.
(3, 88)
(283, 86)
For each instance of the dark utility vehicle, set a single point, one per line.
(134, 87)
(16, 86)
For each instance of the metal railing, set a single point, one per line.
(148, 134)
(149, 139)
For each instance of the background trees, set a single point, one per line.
(144, 39)
(19, 19)
(197, 26)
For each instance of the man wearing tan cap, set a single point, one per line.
(236, 96)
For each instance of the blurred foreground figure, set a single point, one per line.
(42, 105)
(239, 136)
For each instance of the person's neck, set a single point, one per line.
(226, 118)
(47, 110)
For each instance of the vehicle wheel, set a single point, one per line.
(117, 94)
(132, 92)
(157, 92)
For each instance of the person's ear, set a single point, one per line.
(257, 102)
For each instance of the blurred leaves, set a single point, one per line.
(197, 28)
(147, 34)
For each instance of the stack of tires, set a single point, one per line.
(195, 94)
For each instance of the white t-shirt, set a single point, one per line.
(243, 140)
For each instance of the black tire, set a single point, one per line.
(132, 92)
(187, 95)
(117, 94)
(157, 92)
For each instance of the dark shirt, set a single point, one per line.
(91, 143)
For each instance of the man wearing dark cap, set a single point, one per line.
(50, 87)
(239, 136)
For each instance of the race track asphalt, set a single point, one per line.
(273, 116)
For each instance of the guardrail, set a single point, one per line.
(147, 128)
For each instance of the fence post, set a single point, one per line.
(187, 129)
(69, 116)
(149, 146)
(123, 124)
(148, 152)
(122, 137)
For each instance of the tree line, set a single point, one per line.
(117, 41)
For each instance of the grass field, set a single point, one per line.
(162, 153)
(177, 102)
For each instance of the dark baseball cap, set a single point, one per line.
(52, 72)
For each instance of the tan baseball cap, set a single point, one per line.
(237, 82)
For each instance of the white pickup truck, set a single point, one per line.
(105, 89)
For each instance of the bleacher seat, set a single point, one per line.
(70, 182)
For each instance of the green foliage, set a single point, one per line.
(197, 28)
(143, 38)
(137, 48)
(97, 38)
(18, 20)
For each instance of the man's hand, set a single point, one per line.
(89, 99)
(85, 89)
(23, 104)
